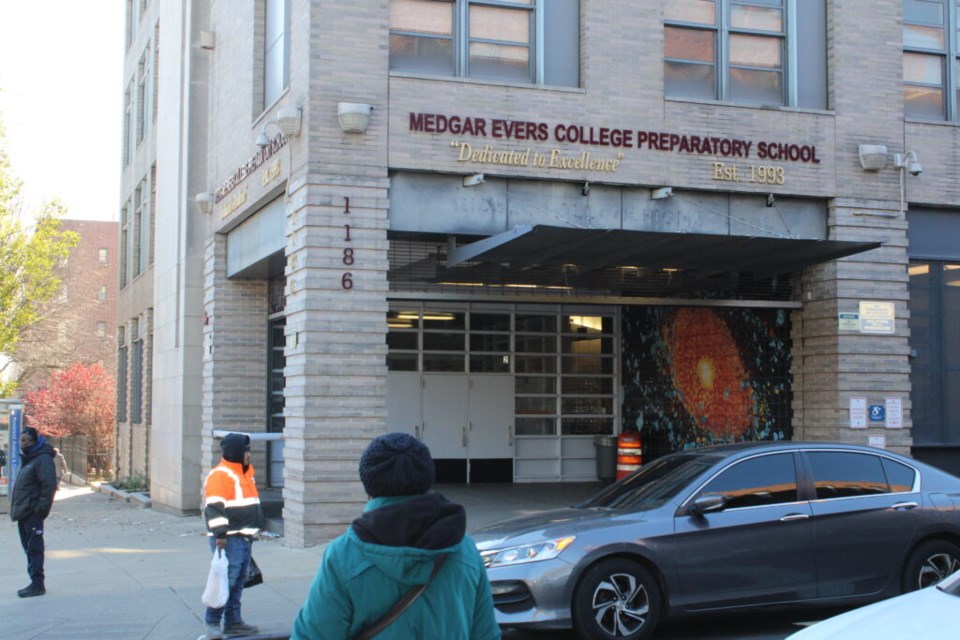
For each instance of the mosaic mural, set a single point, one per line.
(695, 376)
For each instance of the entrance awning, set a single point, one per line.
(702, 255)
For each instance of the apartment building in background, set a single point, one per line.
(508, 227)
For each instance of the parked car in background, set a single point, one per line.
(742, 526)
(932, 613)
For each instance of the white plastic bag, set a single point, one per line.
(218, 586)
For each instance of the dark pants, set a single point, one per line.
(239, 550)
(31, 538)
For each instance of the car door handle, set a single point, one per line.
(904, 506)
(794, 516)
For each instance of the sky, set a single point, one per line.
(61, 101)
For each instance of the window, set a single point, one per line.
(931, 44)
(102, 293)
(152, 212)
(756, 482)
(127, 122)
(840, 474)
(732, 50)
(121, 376)
(124, 250)
(136, 377)
(156, 71)
(142, 84)
(524, 41)
(137, 247)
(102, 256)
(101, 329)
(276, 50)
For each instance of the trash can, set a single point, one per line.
(606, 457)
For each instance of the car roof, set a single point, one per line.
(733, 449)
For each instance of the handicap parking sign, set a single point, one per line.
(877, 413)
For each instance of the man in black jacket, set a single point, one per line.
(30, 503)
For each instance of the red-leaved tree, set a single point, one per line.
(78, 401)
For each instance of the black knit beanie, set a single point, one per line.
(234, 445)
(396, 464)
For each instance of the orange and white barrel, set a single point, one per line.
(629, 454)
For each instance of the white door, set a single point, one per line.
(444, 426)
(403, 402)
(490, 428)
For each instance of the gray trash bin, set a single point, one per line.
(606, 457)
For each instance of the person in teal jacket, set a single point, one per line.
(390, 549)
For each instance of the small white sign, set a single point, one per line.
(878, 442)
(894, 413)
(858, 413)
(848, 321)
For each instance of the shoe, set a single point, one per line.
(239, 629)
(213, 632)
(31, 591)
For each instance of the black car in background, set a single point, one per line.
(742, 526)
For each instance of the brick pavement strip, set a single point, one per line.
(115, 570)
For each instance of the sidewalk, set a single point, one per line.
(118, 571)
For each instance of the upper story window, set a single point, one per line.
(276, 50)
(731, 50)
(931, 43)
(523, 41)
(102, 256)
(746, 51)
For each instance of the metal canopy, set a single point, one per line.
(705, 255)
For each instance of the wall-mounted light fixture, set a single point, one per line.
(288, 120)
(873, 157)
(354, 117)
(204, 202)
(473, 180)
(661, 193)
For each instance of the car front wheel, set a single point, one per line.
(930, 563)
(616, 598)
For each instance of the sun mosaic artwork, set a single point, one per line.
(696, 376)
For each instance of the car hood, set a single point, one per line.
(928, 614)
(550, 524)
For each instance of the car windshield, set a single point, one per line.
(654, 484)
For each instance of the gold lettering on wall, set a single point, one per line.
(756, 173)
(233, 204)
(543, 159)
(270, 173)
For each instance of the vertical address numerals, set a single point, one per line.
(346, 280)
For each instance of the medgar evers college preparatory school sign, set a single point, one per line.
(487, 153)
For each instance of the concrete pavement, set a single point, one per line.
(118, 571)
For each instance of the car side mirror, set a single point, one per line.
(708, 504)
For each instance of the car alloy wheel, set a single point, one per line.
(616, 598)
(930, 563)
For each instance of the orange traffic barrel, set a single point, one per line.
(629, 454)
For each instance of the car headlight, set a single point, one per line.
(546, 550)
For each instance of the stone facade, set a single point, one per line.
(336, 279)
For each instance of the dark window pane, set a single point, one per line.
(536, 405)
(844, 475)
(586, 426)
(923, 11)
(536, 426)
(489, 342)
(443, 362)
(402, 362)
(587, 345)
(588, 406)
(588, 365)
(443, 341)
(536, 364)
(444, 320)
(900, 477)
(755, 87)
(489, 364)
(399, 340)
(535, 384)
(586, 385)
(756, 482)
(489, 322)
(536, 344)
(536, 324)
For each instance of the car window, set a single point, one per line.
(654, 484)
(843, 474)
(756, 482)
(900, 477)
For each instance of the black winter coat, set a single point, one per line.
(35, 484)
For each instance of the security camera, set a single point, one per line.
(914, 168)
(473, 180)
